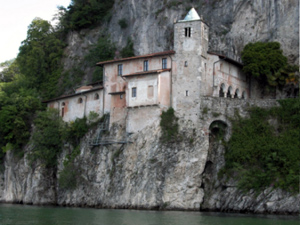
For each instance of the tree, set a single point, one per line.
(17, 108)
(266, 62)
(128, 50)
(84, 13)
(39, 57)
(46, 138)
(10, 70)
(102, 51)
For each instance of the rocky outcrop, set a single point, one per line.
(141, 174)
(26, 183)
(223, 195)
(148, 174)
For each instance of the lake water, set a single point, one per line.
(34, 215)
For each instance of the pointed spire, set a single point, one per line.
(192, 15)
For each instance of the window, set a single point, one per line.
(164, 63)
(120, 69)
(150, 91)
(186, 93)
(121, 96)
(96, 96)
(79, 100)
(187, 32)
(133, 92)
(63, 109)
(146, 63)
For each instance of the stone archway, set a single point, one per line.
(236, 94)
(229, 92)
(222, 91)
(218, 130)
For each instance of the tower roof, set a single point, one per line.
(192, 15)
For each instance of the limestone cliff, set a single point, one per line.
(232, 25)
(147, 173)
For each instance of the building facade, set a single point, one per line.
(136, 90)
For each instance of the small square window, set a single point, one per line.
(164, 63)
(120, 69)
(133, 92)
(146, 64)
(121, 96)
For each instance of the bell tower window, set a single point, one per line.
(187, 32)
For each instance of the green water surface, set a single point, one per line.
(34, 215)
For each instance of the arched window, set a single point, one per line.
(236, 94)
(79, 101)
(96, 96)
(244, 95)
(221, 92)
(229, 92)
(63, 109)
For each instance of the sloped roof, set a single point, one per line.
(150, 72)
(72, 95)
(137, 57)
(191, 16)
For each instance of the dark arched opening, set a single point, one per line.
(217, 130)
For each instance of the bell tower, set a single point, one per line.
(191, 45)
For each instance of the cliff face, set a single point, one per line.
(147, 173)
(232, 24)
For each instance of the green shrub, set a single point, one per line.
(261, 154)
(75, 130)
(265, 62)
(69, 177)
(123, 23)
(102, 51)
(46, 138)
(169, 125)
(128, 50)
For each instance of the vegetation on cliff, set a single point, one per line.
(264, 150)
(37, 72)
(266, 62)
(169, 125)
(82, 14)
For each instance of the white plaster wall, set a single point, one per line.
(142, 83)
(73, 109)
(140, 118)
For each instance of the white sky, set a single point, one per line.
(16, 16)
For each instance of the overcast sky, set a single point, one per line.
(16, 16)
